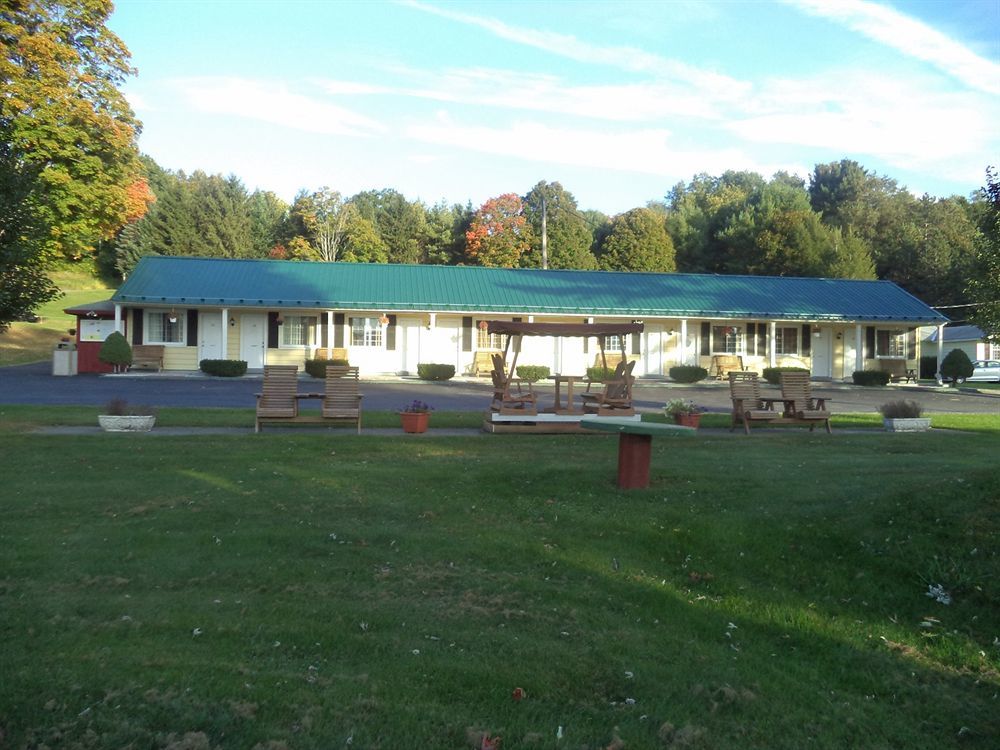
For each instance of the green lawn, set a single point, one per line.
(317, 590)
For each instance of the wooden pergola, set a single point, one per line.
(510, 329)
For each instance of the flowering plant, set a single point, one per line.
(680, 406)
(417, 407)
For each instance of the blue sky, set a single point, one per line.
(618, 101)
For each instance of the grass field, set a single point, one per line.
(295, 590)
(24, 343)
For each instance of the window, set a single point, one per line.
(786, 340)
(165, 327)
(614, 343)
(366, 332)
(298, 330)
(890, 343)
(727, 339)
(992, 350)
(486, 340)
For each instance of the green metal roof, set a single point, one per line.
(274, 284)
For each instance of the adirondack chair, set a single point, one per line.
(748, 406)
(278, 398)
(509, 397)
(616, 375)
(615, 399)
(341, 400)
(796, 392)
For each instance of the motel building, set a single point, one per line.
(387, 319)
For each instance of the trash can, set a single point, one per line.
(64, 359)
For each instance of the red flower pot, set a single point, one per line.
(414, 421)
(687, 420)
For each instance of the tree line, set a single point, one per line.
(845, 222)
(73, 187)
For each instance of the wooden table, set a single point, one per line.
(635, 442)
(569, 380)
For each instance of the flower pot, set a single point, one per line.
(687, 420)
(414, 421)
(125, 423)
(907, 424)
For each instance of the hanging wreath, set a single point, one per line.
(483, 325)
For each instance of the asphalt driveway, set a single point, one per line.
(34, 384)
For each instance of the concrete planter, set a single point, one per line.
(123, 423)
(910, 424)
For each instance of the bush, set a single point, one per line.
(119, 407)
(533, 373)
(870, 377)
(223, 368)
(688, 373)
(430, 371)
(317, 367)
(902, 409)
(956, 366)
(773, 374)
(115, 351)
(597, 374)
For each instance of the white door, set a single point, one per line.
(821, 354)
(210, 336)
(653, 351)
(253, 340)
(410, 331)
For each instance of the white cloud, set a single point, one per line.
(911, 37)
(273, 102)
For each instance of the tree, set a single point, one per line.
(320, 218)
(500, 234)
(446, 226)
(401, 225)
(984, 280)
(568, 237)
(115, 351)
(956, 367)
(268, 214)
(637, 241)
(362, 243)
(68, 135)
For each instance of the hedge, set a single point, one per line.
(533, 373)
(688, 373)
(773, 374)
(317, 367)
(223, 368)
(870, 377)
(431, 371)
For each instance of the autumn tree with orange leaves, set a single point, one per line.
(500, 234)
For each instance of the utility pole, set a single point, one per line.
(545, 237)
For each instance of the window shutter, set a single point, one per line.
(136, 326)
(323, 337)
(390, 334)
(338, 330)
(762, 339)
(806, 340)
(911, 343)
(586, 344)
(517, 339)
(467, 334)
(869, 348)
(751, 338)
(272, 330)
(706, 344)
(636, 343)
(192, 328)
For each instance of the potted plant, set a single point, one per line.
(415, 416)
(683, 412)
(904, 416)
(118, 416)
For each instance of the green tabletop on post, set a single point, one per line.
(634, 446)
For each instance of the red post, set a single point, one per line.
(633, 460)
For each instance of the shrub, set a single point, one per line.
(902, 409)
(597, 374)
(773, 374)
(956, 366)
(688, 373)
(870, 377)
(115, 351)
(431, 371)
(118, 407)
(317, 367)
(223, 368)
(533, 373)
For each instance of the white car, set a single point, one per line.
(986, 369)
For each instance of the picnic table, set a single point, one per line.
(635, 442)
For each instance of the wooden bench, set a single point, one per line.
(723, 364)
(482, 364)
(898, 372)
(333, 353)
(147, 357)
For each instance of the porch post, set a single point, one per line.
(118, 318)
(771, 336)
(940, 352)
(859, 350)
(681, 345)
(329, 333)
(225, 333)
